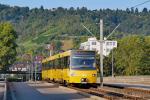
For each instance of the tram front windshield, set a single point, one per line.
(80, 62)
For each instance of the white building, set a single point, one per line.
(94, 44)
(18, 69)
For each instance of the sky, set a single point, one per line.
(90, 4)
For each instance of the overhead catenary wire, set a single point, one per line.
(119, 23)
(88, 30)
(141, 4)
(113, 31)
(122, 22)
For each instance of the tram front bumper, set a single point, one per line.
(84, 80)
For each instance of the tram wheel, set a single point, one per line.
(65, 83)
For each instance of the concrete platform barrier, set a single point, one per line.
(145, 80)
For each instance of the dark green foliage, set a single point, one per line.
(7, 45)
(58, 45)
(107, 65)
(145, 60)
(30, 23)
(37, 27)
(132, 56)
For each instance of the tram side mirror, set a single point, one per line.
(94, 65)
(68, 63)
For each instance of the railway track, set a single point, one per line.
(114, 93)
(111, 93)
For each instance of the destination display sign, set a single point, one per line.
(83, 53)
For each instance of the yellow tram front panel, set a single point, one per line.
(44, 74)
(83, 76)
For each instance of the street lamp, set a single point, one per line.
(112, 68)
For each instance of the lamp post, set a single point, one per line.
(112, 68)
(35, 70)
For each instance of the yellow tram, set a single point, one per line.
(71, 67)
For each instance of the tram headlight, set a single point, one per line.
(94, 75)
(82, 80)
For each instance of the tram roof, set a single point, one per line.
(56, 56)
(60, 55)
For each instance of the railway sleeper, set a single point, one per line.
(123, 95)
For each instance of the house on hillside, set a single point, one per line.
(94, 44)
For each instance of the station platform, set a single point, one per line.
(43, 91)
(136, 82)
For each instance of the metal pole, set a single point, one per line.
(29, 72)
(50, 53)
(26, 74)
(31, 67)
(26, 71)
(35, 70)
(101, 53)
(112, 65)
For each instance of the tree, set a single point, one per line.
(38, 26)
(128, 55)
(107, 66)
(145, 61)
(128, 10)
(7, 45)
(145, 10)
(132, 10)
(132, 57)
(136, 11)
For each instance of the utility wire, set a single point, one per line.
(113, 31)
(122, 22)
(118, 24)
(141, 4)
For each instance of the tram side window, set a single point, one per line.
(56, 63)
(43, 67)
(53, 64)
(59, 63)
(49, 65)
(62, 63)
(66, 62)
